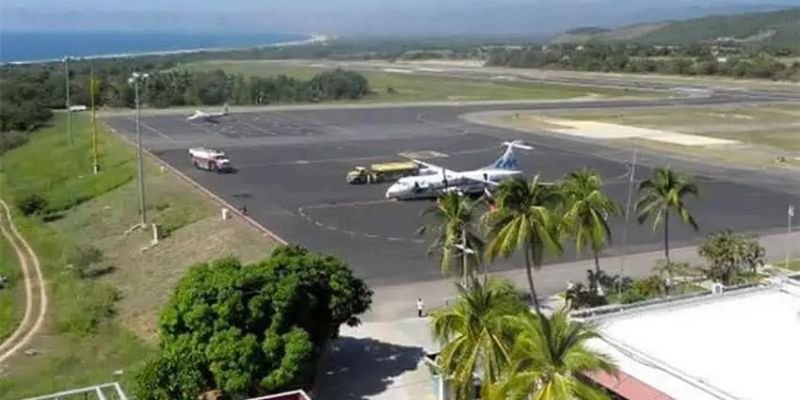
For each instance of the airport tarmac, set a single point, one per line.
(291, 167)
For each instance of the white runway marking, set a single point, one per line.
(302, 213)
(367, 158)
(209, 130)
(156, 131)
(256, 127)
(352, 204)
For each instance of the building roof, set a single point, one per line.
(627, 386)
(738, 345)
(293, 395)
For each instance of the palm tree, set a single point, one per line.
(587, 211)
(662, 193)
(473, 333)
(548, 356)
(453, 226)
(524, 219)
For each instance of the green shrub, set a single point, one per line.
(88, 311)
(10, 140)
(32, 204)
(582, 296)
(251, 328)
(83, 258)
(643, 289)
(174, 217)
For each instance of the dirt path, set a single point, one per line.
(35, 293)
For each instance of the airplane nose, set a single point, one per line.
(391, 192)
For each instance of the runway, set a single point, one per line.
(291, 167)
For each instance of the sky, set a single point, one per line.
(235, 5)
(373, 17)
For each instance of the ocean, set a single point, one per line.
(46, 46)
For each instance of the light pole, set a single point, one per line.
(68, 103)
(789, 235)
(135, 79)
(631, 182)
(95, 151)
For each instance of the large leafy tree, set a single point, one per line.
(729, 254)
(525, 218)
(251, 329)
(338, 84)
(663, 193)
(587, 212)
(474, 335)
(548, 357)
(454, 224)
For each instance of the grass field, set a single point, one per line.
(12, 296)
(794, 265)
(389, 87)
(768, 135)
(104, 321)
(765, 125)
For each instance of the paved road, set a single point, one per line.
(669, 83)
(292, 165)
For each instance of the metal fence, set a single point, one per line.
(106, 391)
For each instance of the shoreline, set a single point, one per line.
(313, 38)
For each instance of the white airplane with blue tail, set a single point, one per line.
(435, 180)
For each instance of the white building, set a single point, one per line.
(743, 344)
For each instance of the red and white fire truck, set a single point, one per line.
(210, 159)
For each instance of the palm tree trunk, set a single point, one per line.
(529, 273)
(596, 261)
(464, 258)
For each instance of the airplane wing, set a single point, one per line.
(479, 178)
(438, 169)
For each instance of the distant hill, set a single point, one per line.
(587, 30)
(780, 28)
(581, 35)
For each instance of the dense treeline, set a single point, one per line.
(177, 88)
(29, 92)
(22, 110)
(690, 60)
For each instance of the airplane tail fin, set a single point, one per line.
(509, 159)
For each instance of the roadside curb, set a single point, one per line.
(193, 183)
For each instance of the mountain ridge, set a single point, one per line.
(776, 28)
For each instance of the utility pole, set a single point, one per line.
(631, 182)
(68, 102)
(95, 157)
(789, 235)
(135, 79)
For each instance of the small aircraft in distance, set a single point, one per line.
(440, 180)
(213, 117)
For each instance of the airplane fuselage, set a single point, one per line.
(429, 186)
